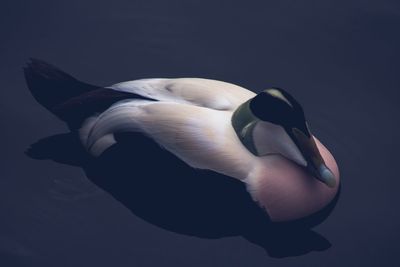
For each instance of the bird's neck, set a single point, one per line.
(263, 138)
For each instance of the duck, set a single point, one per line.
(261, 139)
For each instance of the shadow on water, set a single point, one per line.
(166, 192)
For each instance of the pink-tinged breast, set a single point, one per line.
(286, 191)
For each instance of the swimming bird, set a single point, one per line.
(262, 140)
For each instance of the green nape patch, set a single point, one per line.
(243, 122)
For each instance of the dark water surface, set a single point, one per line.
(340, 59)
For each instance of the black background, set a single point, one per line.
(340, 59)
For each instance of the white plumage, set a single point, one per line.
(260, 139)
(192, 120)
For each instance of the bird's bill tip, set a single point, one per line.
(326, 176)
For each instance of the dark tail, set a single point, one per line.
(50, 86)
(68, 98)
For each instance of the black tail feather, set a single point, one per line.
(68, 98)
(75, 110)
(50, 86)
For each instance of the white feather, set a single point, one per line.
(195, 91)
(201, 137)
(270, 139)
(192, 120)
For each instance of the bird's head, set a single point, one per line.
(273, 122)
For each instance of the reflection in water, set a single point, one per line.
(166, 192)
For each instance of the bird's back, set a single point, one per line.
(208, 93)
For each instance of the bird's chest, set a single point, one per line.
(286, 191)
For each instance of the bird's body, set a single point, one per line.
(192, 118)
(192, 124)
